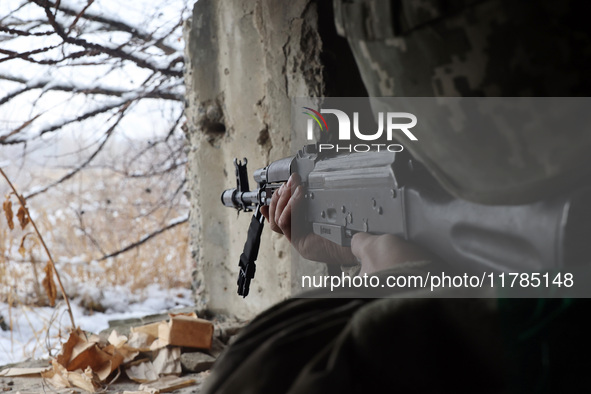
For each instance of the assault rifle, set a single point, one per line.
(385, 192)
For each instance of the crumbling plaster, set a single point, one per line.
(246, 59)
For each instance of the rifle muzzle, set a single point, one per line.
(232, 198)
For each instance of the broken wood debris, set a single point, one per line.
(186, 330)
(13, 372)
(153, 355)
(151, 352)
(167, 384)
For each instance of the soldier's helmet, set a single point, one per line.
(476, 48)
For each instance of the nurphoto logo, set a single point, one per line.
(392, 120)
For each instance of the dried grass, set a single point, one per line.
(99, 213)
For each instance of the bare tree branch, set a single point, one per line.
(146, 238)
(18, 32)
(26, 55)
(89, 45)
(19, 129)
(84, 116)
(82, 228)
(106, 91)
(115, 25)
(78, 15)
(69, 175)
(69, 51)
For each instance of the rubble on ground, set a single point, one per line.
(155, 354)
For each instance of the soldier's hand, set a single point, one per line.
(311, 246)
(375, 252)
(379, 252)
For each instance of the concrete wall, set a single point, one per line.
(245, 60)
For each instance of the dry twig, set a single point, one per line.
(23, 204)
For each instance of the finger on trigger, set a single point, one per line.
(265, 212)
(282, 201)
(284, 221)
(272, 209)
(297, 198)
(293, 181)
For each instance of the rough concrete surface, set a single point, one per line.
(196, 361)
(245, 61)
(36, 385)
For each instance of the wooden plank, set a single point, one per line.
(168, 384)
(13, 372)
(187, 331)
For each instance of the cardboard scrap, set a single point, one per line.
(86, 362)
(140, 341)
(60, 377)
(14, 372)
(84, 380)
(82, 353)
(57, 376)
(187, 331)
(166, 362)
(149, 329)
(160, 343)
(122, 347)
(116, 340)
(141, 371)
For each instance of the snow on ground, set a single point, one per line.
(30, 338)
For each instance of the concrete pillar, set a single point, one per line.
(246, 59)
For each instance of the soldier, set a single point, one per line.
(438, 48)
